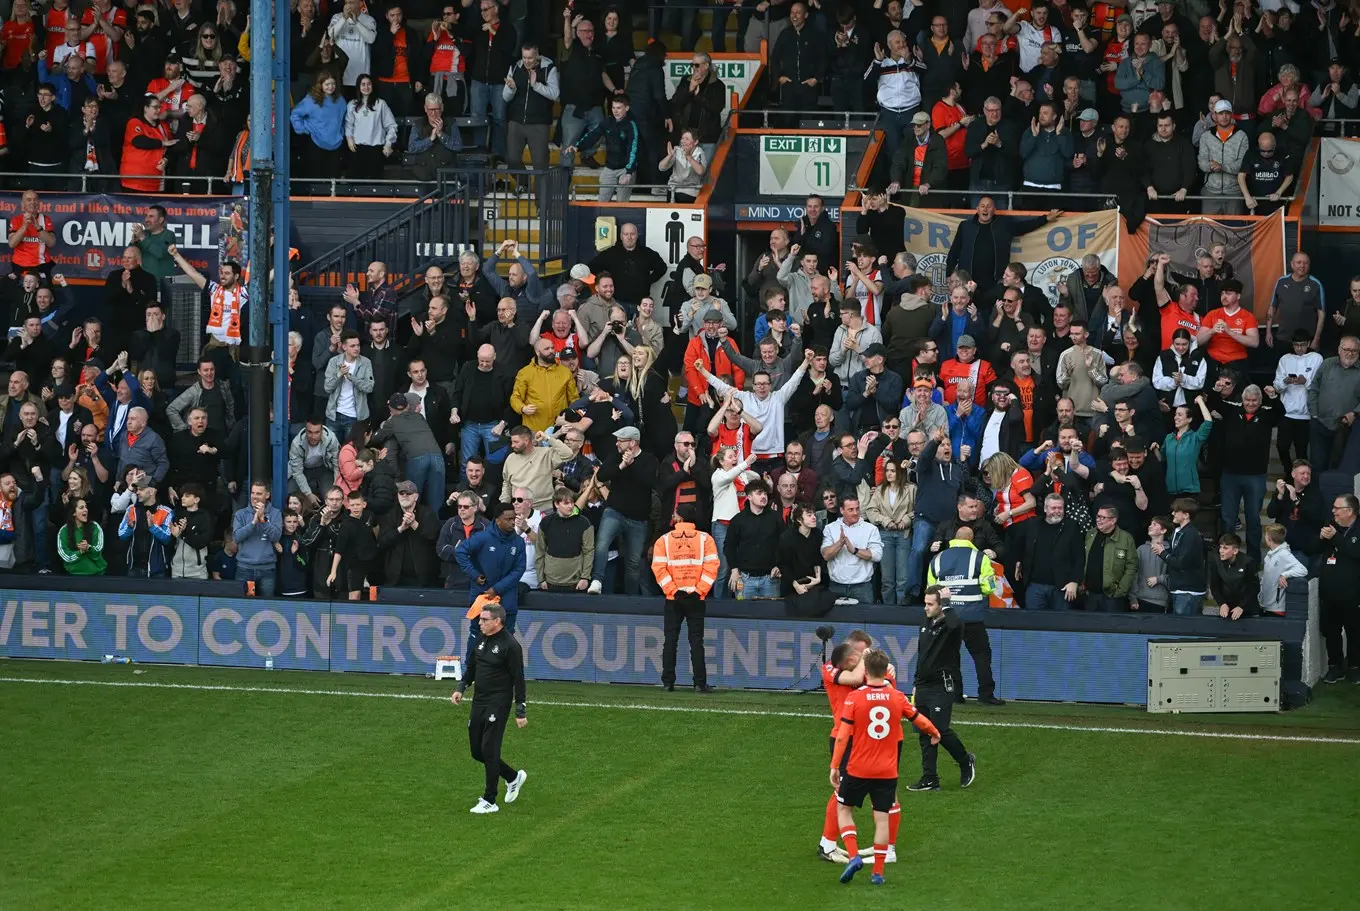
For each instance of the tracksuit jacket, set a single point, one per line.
(620, 142)
(158, 522)
(499, 558)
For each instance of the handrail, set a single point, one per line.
(102, 182)
(843, 116)
(1009, 196)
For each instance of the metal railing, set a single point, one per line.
(83, 182)
(468, 210)
(398, 240)
(521, 203)
(826, 120)
(1019, 199)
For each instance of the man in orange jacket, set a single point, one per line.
(685, 563)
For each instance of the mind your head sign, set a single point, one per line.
(1049, 252)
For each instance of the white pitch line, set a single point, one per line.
(699, 710)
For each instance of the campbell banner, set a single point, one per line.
(1049, 252)
(92, 230)
(1255, 250)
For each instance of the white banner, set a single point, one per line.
(1339, 183)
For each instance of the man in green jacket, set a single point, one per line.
(1111, 563)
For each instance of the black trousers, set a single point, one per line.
(486, 729)
(980, 647)
(1334, 616)
(937, 703)
(689, 611)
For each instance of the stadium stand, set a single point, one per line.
(527, 235)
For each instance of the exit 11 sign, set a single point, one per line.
(802, 165)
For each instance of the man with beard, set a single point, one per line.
(1052, 558)
(543, 388)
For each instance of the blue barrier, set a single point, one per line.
(770, 653)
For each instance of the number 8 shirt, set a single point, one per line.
(873, 716)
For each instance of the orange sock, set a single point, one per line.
(894, 820)
(880, 858)
(851, 841)
(831, 826)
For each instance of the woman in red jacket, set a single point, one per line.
(144, 143)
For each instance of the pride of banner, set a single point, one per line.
(93, 229)
(1049, 252)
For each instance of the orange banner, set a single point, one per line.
(1255, 251)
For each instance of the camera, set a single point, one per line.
(616, 326)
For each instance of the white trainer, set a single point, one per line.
(484, 807)
(512, 789)
(596, 587)
(892, 855)
(835, 854)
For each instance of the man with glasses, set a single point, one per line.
(496, 669)
(1333, 401)
(466, 522)
(1111, 564)
(682, 480)
(583, 80)
(1338, 582)
(700, 102)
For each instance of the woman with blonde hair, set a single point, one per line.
(1013, 487)
(651, 389)
(200, 65)
(891, 507)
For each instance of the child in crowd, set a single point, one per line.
(1278, 566)
(356, 547)
(1232, 580)
(193, 530)
(1150, 595)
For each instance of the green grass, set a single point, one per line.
(182, 798)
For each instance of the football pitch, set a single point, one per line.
(208, 788)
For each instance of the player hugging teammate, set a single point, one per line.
(873, 716)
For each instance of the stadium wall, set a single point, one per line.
(618, 644)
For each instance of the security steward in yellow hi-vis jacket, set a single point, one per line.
(685, 563)
(968, 573)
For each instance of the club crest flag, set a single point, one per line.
(1049, 252)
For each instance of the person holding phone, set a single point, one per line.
(1292, 378)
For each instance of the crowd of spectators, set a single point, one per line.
(832, 441)
(153, 98)
(1154, 104)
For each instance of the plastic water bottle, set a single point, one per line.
(269, 661)
(741, 589)
(116, 659)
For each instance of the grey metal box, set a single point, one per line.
(1213, 676)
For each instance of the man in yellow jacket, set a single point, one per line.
(543, 388)
(685, 563)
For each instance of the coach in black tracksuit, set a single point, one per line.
(496, 666)
(938, 678)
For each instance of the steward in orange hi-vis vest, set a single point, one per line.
(685, 560)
